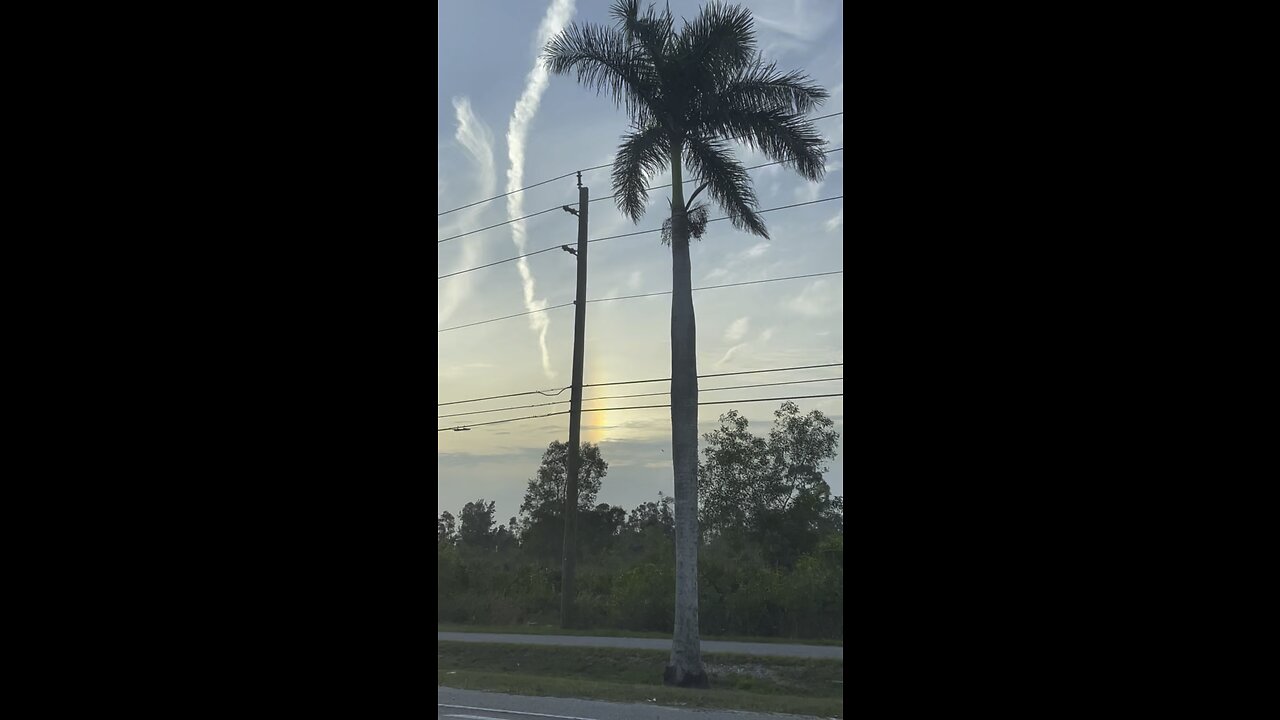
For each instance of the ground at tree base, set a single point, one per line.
(672, 676)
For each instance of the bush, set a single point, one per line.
(644, 598)
(632, 586)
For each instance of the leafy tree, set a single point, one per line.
(598, 527)
(544, 496)
(446, 529)
(688, 94)
(771, 489)
(542, 511)
(477, 524)
(734, 475)
(653, 514)
(504, 539)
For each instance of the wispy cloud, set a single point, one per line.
(729, 355)
(818, 299)
(558, 14)
(477, 139)
(756, 250)
(809, 191)
(793, 25)
(801, 19)
(836, 221)
(737, 329)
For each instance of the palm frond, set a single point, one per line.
(728, 182)
(605, 61)
(784, 136)
(721, 39)
(697, 220)
(641, 155)
(762, 87)
(653, 32)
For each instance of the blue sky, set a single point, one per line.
(502, 123)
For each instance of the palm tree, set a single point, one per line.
(688, 94)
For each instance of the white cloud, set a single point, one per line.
(737, 329)
(716, 274)
(633, 280)
(836, 221)
(769, 171)
(558, 14)
(756, 250)
(797, 18)
(792, 25)
(477, 139)
(729, 355)
(818, 299)
(809, 191)
(766, 336)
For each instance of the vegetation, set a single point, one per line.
(687, 95)
(762, 684)
(550, 629)
(772, 558)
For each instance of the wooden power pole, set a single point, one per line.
(575, 419)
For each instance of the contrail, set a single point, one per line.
(557, 17)
(477, 139)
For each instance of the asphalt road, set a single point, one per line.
(830, 652)
(474, 705)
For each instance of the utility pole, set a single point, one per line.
(575, 417)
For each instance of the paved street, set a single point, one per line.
(473, 705)
(830, 652)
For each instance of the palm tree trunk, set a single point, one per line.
(686, 645)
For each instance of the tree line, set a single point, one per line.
(771, 546)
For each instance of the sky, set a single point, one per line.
(505, 123)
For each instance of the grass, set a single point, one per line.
(553, 630)
(800, 686)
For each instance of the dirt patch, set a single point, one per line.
(747, 669)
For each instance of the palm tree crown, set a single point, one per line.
(694, 90)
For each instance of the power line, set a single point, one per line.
(499, 262)
(718, 286)
(499, 422)
(605, 197)
(502, 409)
(617, 397)
(726, 217)
(557, 391)
(715, 402)
(504, 222)
(614, 237)
(547, 393)
(652, 294)
(636, 407)
(505, 317)
(730, 387)
(693, 180)
(570, 174)
(727, 374)
(513, 192)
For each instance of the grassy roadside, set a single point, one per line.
(799, 686)
(553, 630)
